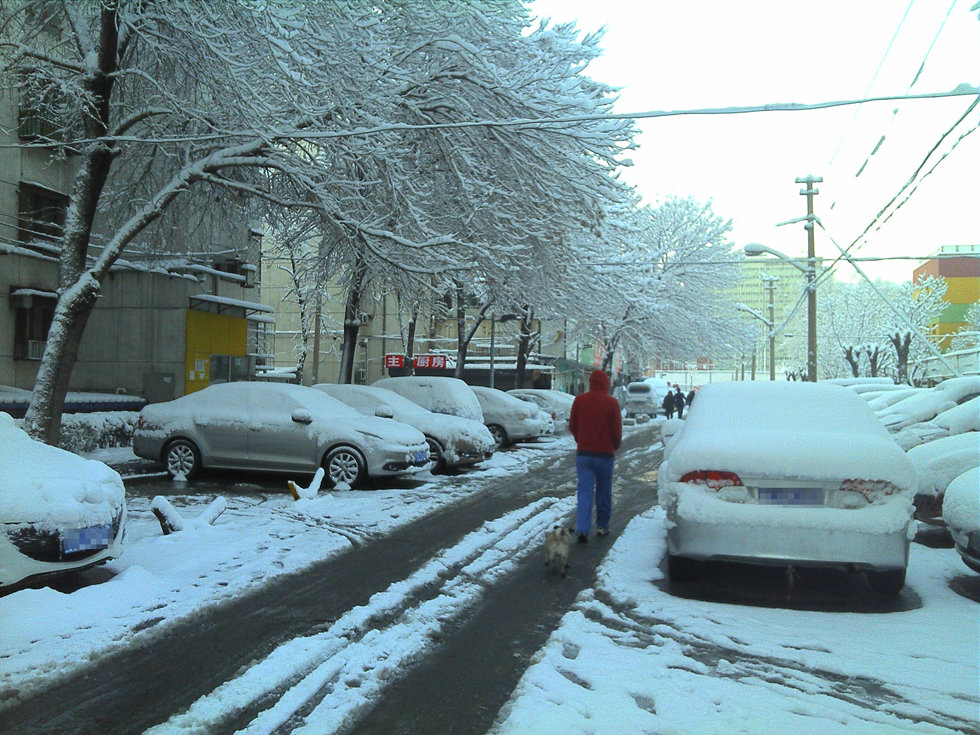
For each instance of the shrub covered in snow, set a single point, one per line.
(85, 432)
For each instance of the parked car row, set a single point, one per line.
(939, 428)
(397, 426)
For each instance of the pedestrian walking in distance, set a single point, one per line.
(668, 404)
(597, 425)
(678, 401)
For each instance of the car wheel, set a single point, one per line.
(682, 569)
(889, 583)
(344, 465)
(182, 458)
(436, 455)
(499, 435)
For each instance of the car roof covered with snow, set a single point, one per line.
(961, 504)
(785, 430)
(440, 394)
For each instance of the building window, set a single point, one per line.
(32, 320)
(41, 213)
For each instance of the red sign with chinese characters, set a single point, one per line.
(437, 362)
(394, 361)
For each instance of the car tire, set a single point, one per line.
(888, 583)
(436, 456)
(344, 465)
(682, 569)
(182, 457)
(499, 435)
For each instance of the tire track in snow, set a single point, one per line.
(327, 678)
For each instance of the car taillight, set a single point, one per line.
(872, 490)
(713, 479)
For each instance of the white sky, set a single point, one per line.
(669, 55)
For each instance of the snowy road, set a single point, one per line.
(428, 610)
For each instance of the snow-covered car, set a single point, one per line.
(957, 420)
(641, 397)
(555, 402)
(937, 463)
(791, 474)
(961, 512)
(438, 394)
(930, 403)
(863, 385)
(59, 512)
(880, 401)
(453, 441)
(276, 428)
(509, 419)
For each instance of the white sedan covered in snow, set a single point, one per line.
(453, 441)
(276, 428)
(790, 474)
(961, 511)
(927, 404)
(59, 512)
(510, 419)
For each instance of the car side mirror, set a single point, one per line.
(302, 416)
(384, 412)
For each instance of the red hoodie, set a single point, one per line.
(595, 420)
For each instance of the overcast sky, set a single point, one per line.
(689, 54)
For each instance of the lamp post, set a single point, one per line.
(772, 336)
(810, 271)
(493, 346)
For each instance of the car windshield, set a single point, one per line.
(638, 388)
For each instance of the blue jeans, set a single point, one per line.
(594, 482)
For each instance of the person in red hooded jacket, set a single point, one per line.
(597, 425)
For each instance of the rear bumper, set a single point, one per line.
(876, 538)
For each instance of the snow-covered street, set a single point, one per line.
(629, 656)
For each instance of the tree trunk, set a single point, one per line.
(352, 325)
(902, 343)
(410, 340)
(523, 347)
(77, 294)
(852, 360)
(873, 357)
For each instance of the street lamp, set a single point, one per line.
(810, 271)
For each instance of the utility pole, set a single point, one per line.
(770, 282)
(811, 277)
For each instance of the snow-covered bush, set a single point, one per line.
(85, 432)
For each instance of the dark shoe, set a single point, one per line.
(602, 532)
(583, 538)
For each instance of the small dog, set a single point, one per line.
(556, 546)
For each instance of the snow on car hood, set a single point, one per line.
(462, 430)
(41, 483)
(786, 430)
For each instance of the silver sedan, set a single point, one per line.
(277, 428)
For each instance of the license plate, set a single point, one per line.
(86, 539)
(421, 456)
(791, 496)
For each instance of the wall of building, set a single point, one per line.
(962, 276)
